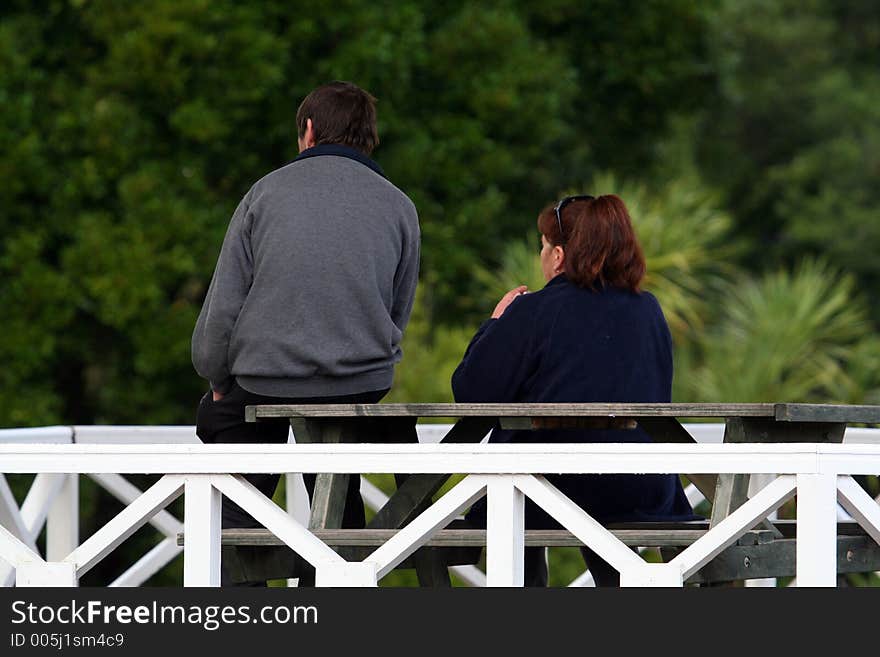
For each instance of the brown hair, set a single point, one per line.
(600, 242)
(341, 113)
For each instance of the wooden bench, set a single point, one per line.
(758, 553)
(766, 551)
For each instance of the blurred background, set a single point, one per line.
(744, 135)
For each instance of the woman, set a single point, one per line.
(590, 335)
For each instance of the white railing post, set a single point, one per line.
(504, 533)
(62, 523)
(201, 519)
(816, 530)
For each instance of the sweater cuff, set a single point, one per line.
(224, 386)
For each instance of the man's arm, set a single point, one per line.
(226, 295)
(406, 279)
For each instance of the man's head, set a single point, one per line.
(338, 113)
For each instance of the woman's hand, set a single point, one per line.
(507, 299)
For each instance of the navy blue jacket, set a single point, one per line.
(565, 343)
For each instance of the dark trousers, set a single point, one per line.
(223, 421)
(536, 572)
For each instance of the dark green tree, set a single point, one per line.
(793, 134)
(131, 130)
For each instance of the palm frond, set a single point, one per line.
(786, 336)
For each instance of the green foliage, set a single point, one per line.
(788, 336)
(129, 132)
(520, 265)
(489, 105)
(793, 135)
(431, 354)
(638, 65)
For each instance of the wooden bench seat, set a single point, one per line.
(758, 553)
(767, 548)
(466, 537)
(653, 534)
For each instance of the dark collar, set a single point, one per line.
(340, 151)
(560, 279)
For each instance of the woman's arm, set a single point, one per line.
(501, 356)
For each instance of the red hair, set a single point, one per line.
(601, 247)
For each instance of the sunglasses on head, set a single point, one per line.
(562, 204)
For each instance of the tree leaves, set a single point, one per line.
(787, 336)
(129, 132)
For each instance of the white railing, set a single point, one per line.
(818, 473)
(53, 500)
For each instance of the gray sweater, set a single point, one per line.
(315, 281)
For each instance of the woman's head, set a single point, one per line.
(592, 241)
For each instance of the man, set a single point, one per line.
(313, 287)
